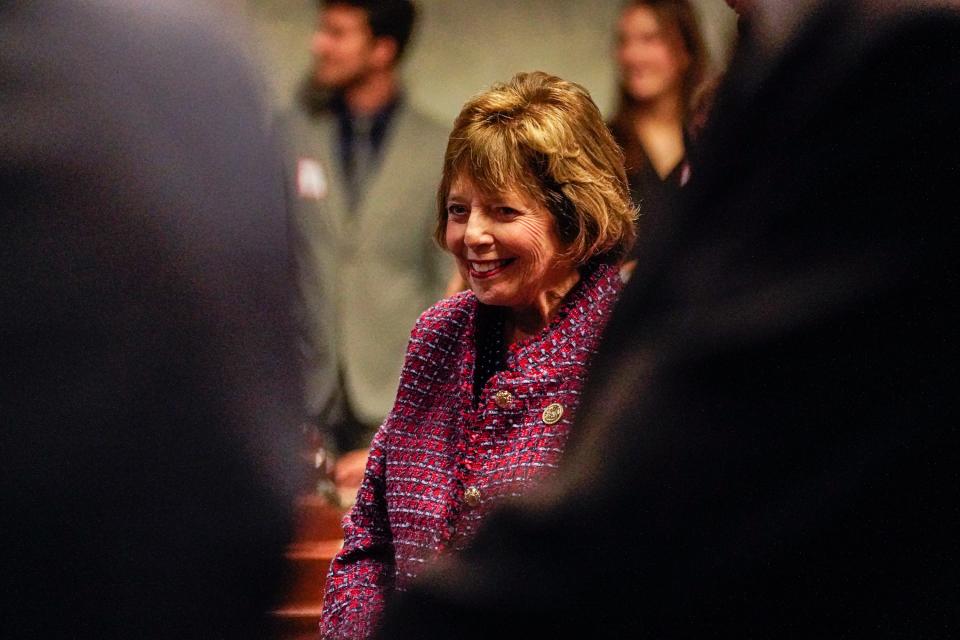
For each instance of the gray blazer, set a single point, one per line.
(365, 276)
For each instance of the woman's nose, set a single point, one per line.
(478, 230)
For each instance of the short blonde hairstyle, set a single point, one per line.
(545, 137)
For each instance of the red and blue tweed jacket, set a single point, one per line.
(438, 464)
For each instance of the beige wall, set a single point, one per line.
(462, 46)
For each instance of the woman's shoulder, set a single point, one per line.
(448, 319)
(603, 285)
(591, 307)
(449, 309)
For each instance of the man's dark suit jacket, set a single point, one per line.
(146, 384)
(768, 447)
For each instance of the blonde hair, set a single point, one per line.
(545, 137)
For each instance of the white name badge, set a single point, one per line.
(311, 179)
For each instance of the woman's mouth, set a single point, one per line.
(481, 269)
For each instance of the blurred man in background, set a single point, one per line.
(147, 399)
(363, 166)
(768, 445)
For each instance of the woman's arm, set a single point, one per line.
(362, 574)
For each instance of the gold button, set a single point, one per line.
(553, 413)
(503, 398)
(471, 496)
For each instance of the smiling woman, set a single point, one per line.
(532, 190)
(534, 206)
(509, 252)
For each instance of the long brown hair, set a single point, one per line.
(677, 18)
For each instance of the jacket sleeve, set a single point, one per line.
(361, 576)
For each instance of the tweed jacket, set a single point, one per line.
(439, 463)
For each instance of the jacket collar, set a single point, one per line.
(580, 315)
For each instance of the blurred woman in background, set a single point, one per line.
(663, 68)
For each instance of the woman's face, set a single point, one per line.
(652, 61)
(506, 246)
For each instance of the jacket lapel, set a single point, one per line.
(571, 337)
(396, 151)
(327, 136)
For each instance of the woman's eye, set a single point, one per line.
(508, 212)
(456, 210)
